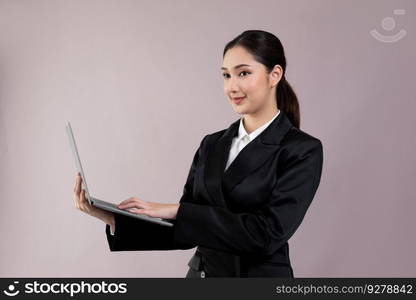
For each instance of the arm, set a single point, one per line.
(135, 234)
(267, 229)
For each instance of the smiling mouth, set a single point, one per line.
(238, 100)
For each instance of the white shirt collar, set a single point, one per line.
(242, 131)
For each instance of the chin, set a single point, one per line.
(240, 111)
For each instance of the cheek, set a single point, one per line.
(255, 89)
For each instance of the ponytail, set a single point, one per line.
(287, 101)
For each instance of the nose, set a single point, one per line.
(232, 87)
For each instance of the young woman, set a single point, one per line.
(249, 186)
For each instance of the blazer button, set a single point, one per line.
(202, 274)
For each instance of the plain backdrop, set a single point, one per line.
(141, 83)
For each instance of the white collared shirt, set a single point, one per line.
(243, 138)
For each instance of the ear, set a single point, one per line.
(275, 75)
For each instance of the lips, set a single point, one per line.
(238, 100)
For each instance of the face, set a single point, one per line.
(245, 77)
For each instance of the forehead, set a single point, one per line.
(236, 56)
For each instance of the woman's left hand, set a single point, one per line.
(151, 209)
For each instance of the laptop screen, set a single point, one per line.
(77, 160)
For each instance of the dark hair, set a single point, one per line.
(267, 49)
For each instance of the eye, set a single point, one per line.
(244, 72)
(225, 75)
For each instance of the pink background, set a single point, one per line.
(141, 83)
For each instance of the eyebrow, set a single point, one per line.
(237, 66)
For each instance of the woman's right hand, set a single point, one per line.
(83, 205)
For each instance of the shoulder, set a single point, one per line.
(212, 137)
(296, 137)
(298, 143)
(293, 139)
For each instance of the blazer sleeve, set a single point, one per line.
(135, 234)
(264, 231)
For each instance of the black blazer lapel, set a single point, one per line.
(248, 159)
(215, 164)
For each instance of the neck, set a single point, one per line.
(253, 121)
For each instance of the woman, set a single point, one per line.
(249, 186)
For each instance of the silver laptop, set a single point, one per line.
(100, 203)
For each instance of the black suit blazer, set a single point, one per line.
(240, 219)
